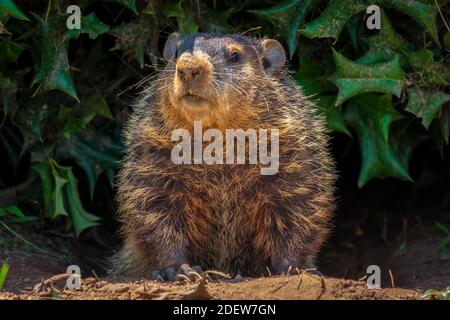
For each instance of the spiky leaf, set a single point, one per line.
(331, 22)
(353, 79)
(425, 103)
(333, 115)
(54, 69)
(371, 116)
(287, 18)
(93, 26)
(9, 9)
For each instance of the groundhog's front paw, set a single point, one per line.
(184, 272)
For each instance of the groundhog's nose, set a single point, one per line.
(192, 70)
(189, 73)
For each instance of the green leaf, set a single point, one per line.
(61, 195)
(333, 19)
(436, 136)
(7, 91)
(9, 9)
(45, 174)
(81, 219)
(68, 150)
(217, 21)
(447, 40)
(353, 26)
(423, 13)
(404, 138)
(353, 79)
(16, 214)
(312, 76)
(135, 38)
(334, 115)
(93, 26)
(130, 4)
(385, 44)
(57, 205)
(287, 18)
(3, 29)
(3, 274)
(445, 123)
(96, 153)
(371, 116)
(95, 105)
(425, 103)
(30, 120)
(185, 18)
(9, 51)
(54, 71)
(431, 71)
(78, 118)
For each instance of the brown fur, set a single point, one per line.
(225, 217)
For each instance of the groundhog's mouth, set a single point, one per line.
(193, 100)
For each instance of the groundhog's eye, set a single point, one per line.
(234, 57)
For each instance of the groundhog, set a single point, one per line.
(227, 217)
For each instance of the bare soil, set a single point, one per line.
(405, 274)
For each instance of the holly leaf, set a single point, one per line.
(425, 103)
(431, 71)
(92, 171)
(371, 116)
(287, 18)
(54, 70)
(9, 51)
(130, 4)
(185, 19)
(3, 29)
(45, 174)
(7, 90)
(134, 38)
(16, 214)
(353, 78)
(57, 207)
(81, 219)
(9, 9)
(385, 44)
(93, 26)
(444, 120)
(217, 21)
(94, 152)
(423, 12)
(333, 19)
(76, 119)
(333, 115)
(313, 76)
(30, 120)
(404, 138)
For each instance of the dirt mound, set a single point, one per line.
(419, 267)
(299, 287)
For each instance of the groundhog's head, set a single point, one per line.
(209, 77)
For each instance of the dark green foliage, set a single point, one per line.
(64, 94)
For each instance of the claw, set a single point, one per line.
(185, 272)
(192, 273)
(156, 275)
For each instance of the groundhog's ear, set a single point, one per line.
(274, 55)
(171, 46)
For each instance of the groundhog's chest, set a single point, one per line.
(227, 194)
